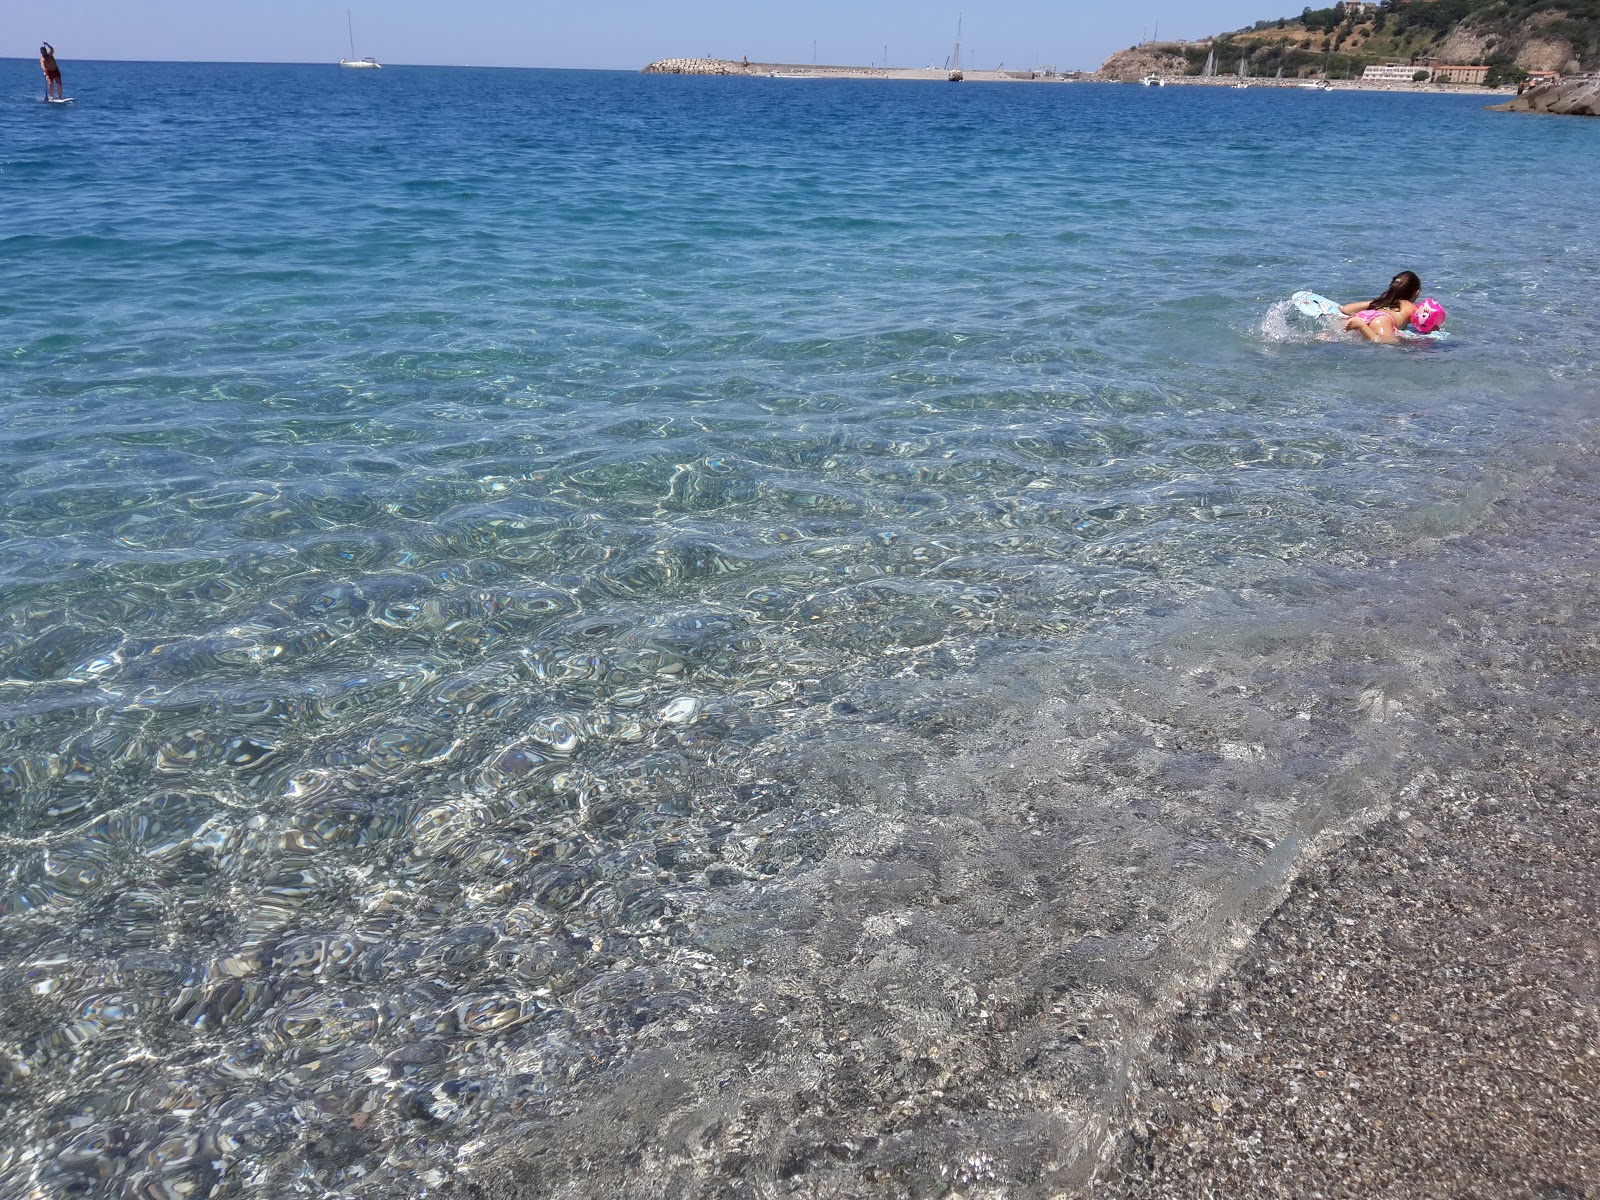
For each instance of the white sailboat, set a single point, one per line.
(956, 75)
(1209, 71)
(370, 64)
(1244, 67)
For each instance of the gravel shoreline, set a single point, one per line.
(1421, 1016)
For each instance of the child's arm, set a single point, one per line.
(1351, 310)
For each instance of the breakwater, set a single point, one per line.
(700, 66)
(1567, 97)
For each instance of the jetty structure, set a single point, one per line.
(1562, 97)
(779, 70)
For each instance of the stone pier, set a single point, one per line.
(1571, 97)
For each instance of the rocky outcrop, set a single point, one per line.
(696, 66)
(1569, 97)
(1130, 66)
(1464, 44)
(1545, 54)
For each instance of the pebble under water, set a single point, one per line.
(580, 634)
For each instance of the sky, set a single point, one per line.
(616, 34)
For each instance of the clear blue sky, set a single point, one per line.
(614, 33)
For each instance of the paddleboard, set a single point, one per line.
(60, 99)
(1312, 305)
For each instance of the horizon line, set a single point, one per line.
(323, 62)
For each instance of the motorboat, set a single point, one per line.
(1153, 81)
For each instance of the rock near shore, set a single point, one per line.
(1130, 66)
(1569, 97)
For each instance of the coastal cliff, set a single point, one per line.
(1511, 37)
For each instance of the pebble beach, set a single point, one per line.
(1421, 1017)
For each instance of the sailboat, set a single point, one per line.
(1209, 71)
(955, 63)
(371, 64)
(1244, 66)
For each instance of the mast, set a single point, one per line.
(955, 64)
(350, 26)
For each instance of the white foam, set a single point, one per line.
(1284, 323)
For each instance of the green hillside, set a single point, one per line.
(1512, 36)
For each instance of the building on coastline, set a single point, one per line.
(1360, 7)
(1461, 73)
(1538, 77)
(1394, 72)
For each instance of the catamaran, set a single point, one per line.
(370, 64)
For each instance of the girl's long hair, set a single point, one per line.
(1404, 286)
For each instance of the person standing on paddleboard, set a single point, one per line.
(52, 73)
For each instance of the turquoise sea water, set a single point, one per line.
(700, 633)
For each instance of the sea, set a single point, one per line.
(587, 634)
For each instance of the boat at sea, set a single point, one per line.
(1153, 80)
(1316, 85)
(368, 64)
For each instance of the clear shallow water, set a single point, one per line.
(730, 625)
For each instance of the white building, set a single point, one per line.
(1393, 73)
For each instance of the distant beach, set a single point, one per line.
(774, 70)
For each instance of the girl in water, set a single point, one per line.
(1382, 319)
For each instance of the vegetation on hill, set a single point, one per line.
(1512, 36)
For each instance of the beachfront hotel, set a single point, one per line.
(1394, 72)
(1437, 72)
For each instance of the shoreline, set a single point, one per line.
(1420, 1017)
(795, 71)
